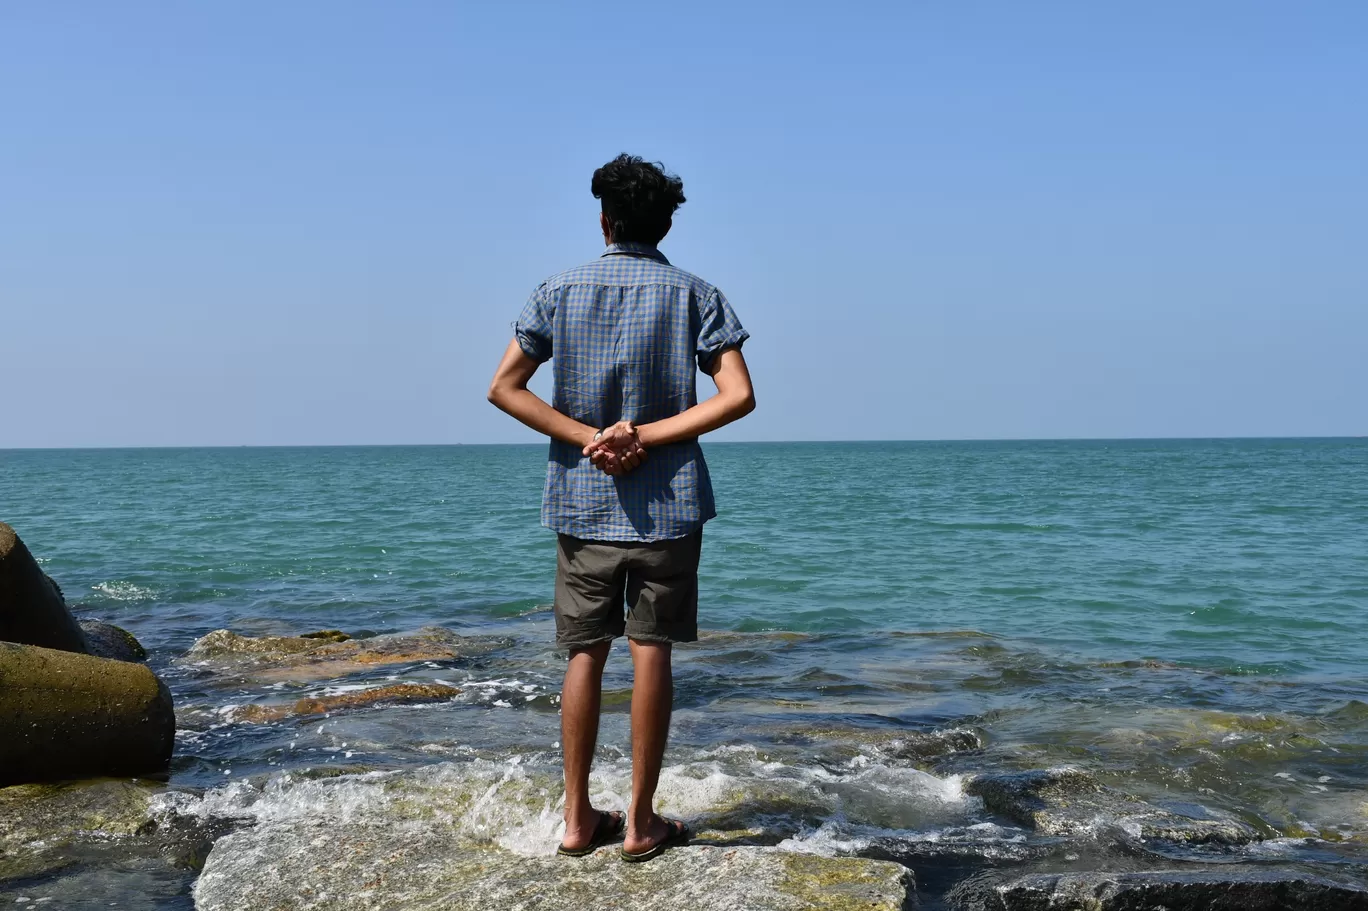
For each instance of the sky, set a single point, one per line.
(314, 223)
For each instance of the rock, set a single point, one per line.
(224, 644)
(106, 640)
(55, 815)
(920, 746)
(32, 611)
(185, 841)
(897, 745)
(64, 715)
(400, 694)
(300, 659)
(339, 868)
(332, 635)
(1226, 888)
(1071, 802)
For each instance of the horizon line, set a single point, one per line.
(1081, 439)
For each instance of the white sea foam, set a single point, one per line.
(123, 591)
(829, 839)
(517, 805)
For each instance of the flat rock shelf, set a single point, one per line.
(317, 868)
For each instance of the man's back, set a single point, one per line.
(624, 333)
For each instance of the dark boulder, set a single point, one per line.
(106, 640)
(32, 611)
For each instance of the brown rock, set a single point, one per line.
(298, 659)
(64, 715)
(402, 693)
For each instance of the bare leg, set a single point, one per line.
(652, 698)
(581, 696)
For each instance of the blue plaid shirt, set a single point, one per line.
(625, 331)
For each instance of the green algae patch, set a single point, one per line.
(836, 884)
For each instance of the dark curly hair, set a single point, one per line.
(638, 197)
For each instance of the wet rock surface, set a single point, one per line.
(397, 694)
(98, 843)
(51, 815)
(105, 640)
(1223, 889)
(1070, 801)
(325, 655)
(920, 746)
(356, 867)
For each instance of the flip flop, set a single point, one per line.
(610, 826)
(679, 835)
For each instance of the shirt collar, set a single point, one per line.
(633, 249)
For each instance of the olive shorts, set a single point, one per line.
(657, 583)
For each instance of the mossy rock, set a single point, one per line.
(57, 814)
(105, 640)
(301, 659)
(383, 867)
(330, 635)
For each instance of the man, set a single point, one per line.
(627, 489)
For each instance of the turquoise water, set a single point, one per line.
(1189, 618)
(1242, 555)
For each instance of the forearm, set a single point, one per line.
(528, 407)
(718, 411)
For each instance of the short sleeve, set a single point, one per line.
(533, 330)
(719, 329)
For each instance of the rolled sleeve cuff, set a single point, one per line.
(733, 339)
(534, 346)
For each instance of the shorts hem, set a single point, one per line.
(587, 642)
(673, 638)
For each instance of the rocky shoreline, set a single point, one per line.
(417, 838)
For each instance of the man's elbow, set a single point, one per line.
(745, 403)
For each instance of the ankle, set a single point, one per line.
(640, 816)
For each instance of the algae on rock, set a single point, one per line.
(54, 815)
(331, 868)
(301, 659)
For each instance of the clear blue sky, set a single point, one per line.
(314, 222)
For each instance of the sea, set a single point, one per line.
(1186, 620)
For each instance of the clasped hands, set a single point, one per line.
(616, 450)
